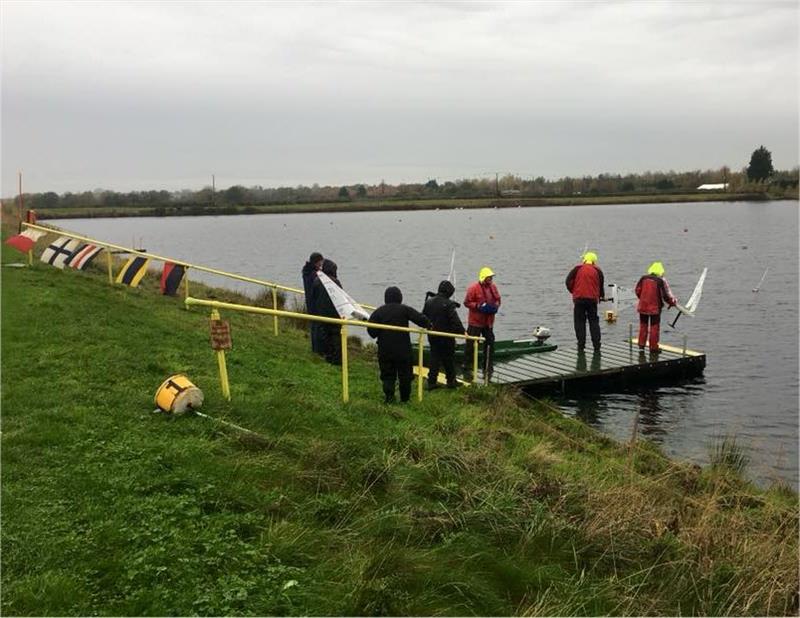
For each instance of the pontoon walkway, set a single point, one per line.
(618, 365)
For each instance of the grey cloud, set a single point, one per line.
(128, 93)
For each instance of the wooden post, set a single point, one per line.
(30, 257)
(630, 337)
(186, 287)
(345, 374)
(419, 367)
(685, 339)
(223, 368)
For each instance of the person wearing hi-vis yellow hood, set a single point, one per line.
(653, 292)
(587, 285)
(483, 301)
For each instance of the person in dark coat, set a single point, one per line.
(587, 285)
(395, 357)
(309, 274)
(441, 311)
(330, 334)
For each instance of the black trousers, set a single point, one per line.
(488, 348)
(443, 351)
(586, 310)
(396, 370)
(317, 338)
(331, 339)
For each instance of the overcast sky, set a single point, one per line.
(162, 95)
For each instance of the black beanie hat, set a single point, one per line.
(393, 295)
(446, 289)
(329, 268)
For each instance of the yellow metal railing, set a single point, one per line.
(187, 265)
(217, 305)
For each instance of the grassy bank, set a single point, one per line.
(397, 204)
(476, 502)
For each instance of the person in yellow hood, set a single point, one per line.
(482, 300)
(586, 283)
(653, 291)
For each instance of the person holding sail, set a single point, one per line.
(330, 338)
(309, 275)
(483, 301)
(653, 291)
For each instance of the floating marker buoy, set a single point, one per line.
(177, 395)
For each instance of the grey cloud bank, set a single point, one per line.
(148, 96)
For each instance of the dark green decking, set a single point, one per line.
(619, 364)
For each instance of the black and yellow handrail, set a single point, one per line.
(216, 305)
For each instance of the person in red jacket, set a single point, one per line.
(587, 285)
(653, 291)
(483, 301)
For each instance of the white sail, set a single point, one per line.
(764, 276)
(346, 307)
(452, 276)
(621, 296)
(691, 305)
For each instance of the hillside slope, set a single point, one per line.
(476, 502)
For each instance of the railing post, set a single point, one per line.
(345, 374)
(186, 287)
(685, 339)
(275, 306)
(630, 337)
(475, 361)
(110, 268)
(223, 368)
(419, 367)
(30, 257)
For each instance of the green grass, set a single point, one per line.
(473, 502)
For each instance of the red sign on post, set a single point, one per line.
(221, 335)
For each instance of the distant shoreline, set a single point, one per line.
(397, 205)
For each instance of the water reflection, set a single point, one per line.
(650, 413)
(580, 362)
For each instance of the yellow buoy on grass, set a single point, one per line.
(177, 395)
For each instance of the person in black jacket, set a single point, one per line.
(443, 316)
(330, 334)
(309, 274)
(395, 357)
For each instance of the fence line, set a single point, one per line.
(216, 305)
(187, 265)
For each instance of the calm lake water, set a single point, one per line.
(750, 387)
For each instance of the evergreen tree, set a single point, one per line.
(760, 167)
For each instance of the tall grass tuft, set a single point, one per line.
(727, 454)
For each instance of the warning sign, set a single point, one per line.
(221, 335)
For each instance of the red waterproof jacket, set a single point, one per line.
(477, 294)
(586, 281)
(653, 292)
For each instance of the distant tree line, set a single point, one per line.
(758, 176)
